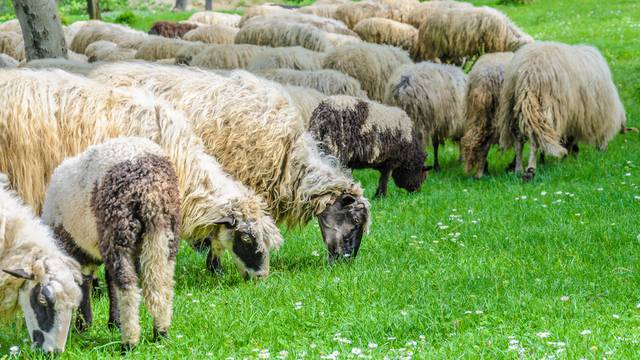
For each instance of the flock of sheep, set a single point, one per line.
(216, 129)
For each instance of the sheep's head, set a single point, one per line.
(49, 295)
(411, 173)
(343, 224)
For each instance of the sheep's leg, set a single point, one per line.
(436, 143)
(518, 164)
(85, 315)
(385, 171)
(123, 273)
(531, 166)
(483, 164)
(114, 313)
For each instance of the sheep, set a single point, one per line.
(297, 58)
(433, 97)
(353, 13)
(484, 84)
(67, 113)
(306, 100)
(339, 40)
(329, 82)
(118, 203)
(323, 10)
(121, 35)
(12, 44)
(389, 32)
(221, 56)
(371, 64)
(11, 25)
(278, 34)
(453, 34)
(320, 23)
(7, 61)
(171, 29)
(261, 10)
(107, 51)
(416, 15)
(158, 47)
(252, 128)
(70, 66)
(212, 34)
(36, 276)
(366, 134)
(216, 18)
(556, 95)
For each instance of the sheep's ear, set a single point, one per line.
(227, 221)
(20, 273)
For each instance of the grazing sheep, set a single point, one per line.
(416, 15)
(7, 61)
(353, 12)
(12, 44)
(371, 64)
(280, 161)
(188, 52)
(171, 29)
(556, 95)
(35, 275)
(118, 203)
(220, 56)
(433, 97)
(329, 82)
(453, 34)
(119, 34)
(320, 23)
(213, 203)
(71, 66)
(216, 18)
(262, 10)
(158, 47)
(306, 100)
(365, 134)
(484, 84)
(389, 32)
(107, 51)
(212, 34)
(279, 34)
(296, 58)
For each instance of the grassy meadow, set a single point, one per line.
(490, 268)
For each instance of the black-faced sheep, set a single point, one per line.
(216, 18)
(371, 64)
(213, 203)
(484, 84)
(387, 32)
(118, 203)
(433, 97)
(35, 275)
(365, 134)
(253, 129)
(212, 34)
(556, 95)
(328, 82)
(171, 29)
(452, 35)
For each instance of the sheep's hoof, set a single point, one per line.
(159, 335)
(529, 175)
(126, 347)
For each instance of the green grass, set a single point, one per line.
(465, 268)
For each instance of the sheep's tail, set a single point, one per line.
(538, 125)
(157, 270)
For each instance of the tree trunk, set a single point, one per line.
(41, 29)
(93, 8)
(181, 5)
(208, 5)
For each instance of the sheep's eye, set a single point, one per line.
(246, 238)
(42, 300)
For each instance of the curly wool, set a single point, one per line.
(279, 162)
(216, 18)
(389, 32)
(296, 58)
(370, 64)
(433, 96)
(453, 34)
(328, 82)
(212, 34)
(553, 92)
(107, 51)
(92, 113)
(26, 243)
(225, 57)
(7, 61)
(482, 95)
(275, 33)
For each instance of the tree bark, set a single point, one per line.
(93, 8)
(181, 5)
(41, 29)
(208, 5)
